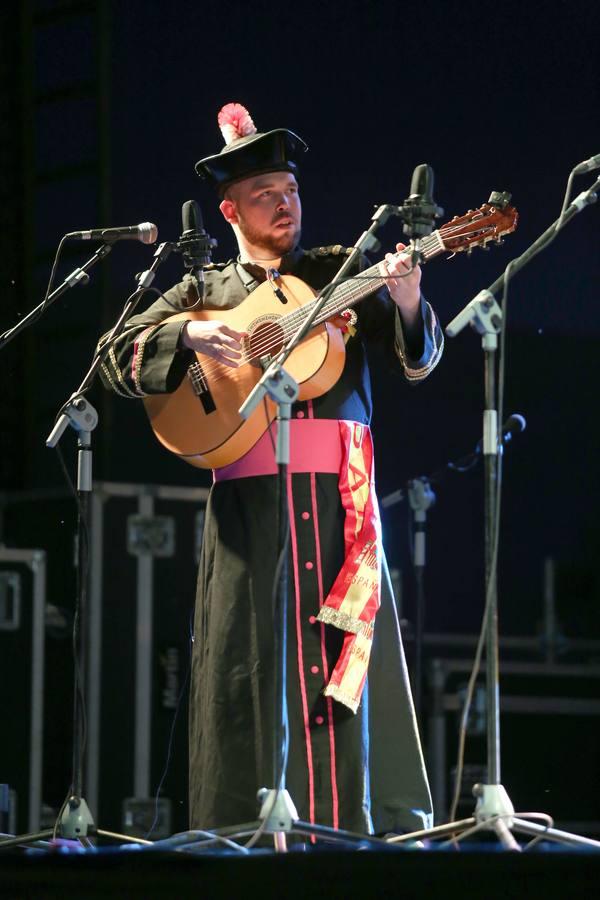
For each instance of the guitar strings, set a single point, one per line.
(289, 323)
(287, 326)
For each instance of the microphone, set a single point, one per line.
(588, 165)
(195, 244)
(420, 210)
(514, 425)
(146, 232)
(421, 185)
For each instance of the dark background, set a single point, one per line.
(106, 108)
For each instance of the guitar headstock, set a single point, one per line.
(479, 227)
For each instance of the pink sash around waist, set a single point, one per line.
(315, 446)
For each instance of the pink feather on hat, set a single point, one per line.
(235, 122)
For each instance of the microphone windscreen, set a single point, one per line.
(191, 217)
(148, 232)
(422, 183)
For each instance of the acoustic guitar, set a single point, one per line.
(199, 421)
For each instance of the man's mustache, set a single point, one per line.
(283, 217)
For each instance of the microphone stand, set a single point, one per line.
(78, 276)
(420, 498)
(76, 821)
(494, 810)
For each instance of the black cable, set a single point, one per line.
(170, 303)
(104, 349)
(44, 304)
(108, 343)
(79, 697)
(269, 426)
(81, 577)
(172, 729)
(52, 277)
(284, 748)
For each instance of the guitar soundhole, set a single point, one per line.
(265, 339)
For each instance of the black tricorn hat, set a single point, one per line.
(247, 152)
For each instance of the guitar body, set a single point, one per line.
(200, 421)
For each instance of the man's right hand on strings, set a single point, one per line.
(215, 339)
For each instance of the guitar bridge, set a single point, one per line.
(200, 387)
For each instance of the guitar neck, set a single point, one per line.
(476, 228)
(351, 292)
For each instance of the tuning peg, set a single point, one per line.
(499, 240)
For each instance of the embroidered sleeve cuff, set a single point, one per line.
(147, 360)
(159, 363)
(416, 370)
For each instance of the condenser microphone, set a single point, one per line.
(420, 209)
(421, 185)
(146, 232)
(195, 244)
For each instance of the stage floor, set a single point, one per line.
(482, 871)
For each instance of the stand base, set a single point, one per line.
(76, 824)
(277, 810)
(278, 817)
(76, 820)
(495, 812)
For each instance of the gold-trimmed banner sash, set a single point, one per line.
(356, 593)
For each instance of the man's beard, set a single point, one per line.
(274, 246)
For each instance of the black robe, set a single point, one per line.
(363, 771)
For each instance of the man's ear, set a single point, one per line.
(229, 212)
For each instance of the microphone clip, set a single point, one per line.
(419, 210)
(195, 245)
(418, 216)
(196, 248)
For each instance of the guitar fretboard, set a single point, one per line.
(349, 293)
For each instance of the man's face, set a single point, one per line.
(267, 210)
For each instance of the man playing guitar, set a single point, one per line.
(355, 760)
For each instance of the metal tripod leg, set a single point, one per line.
(41, 838)
(553, 834)
(34, 838)
(438, 831)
